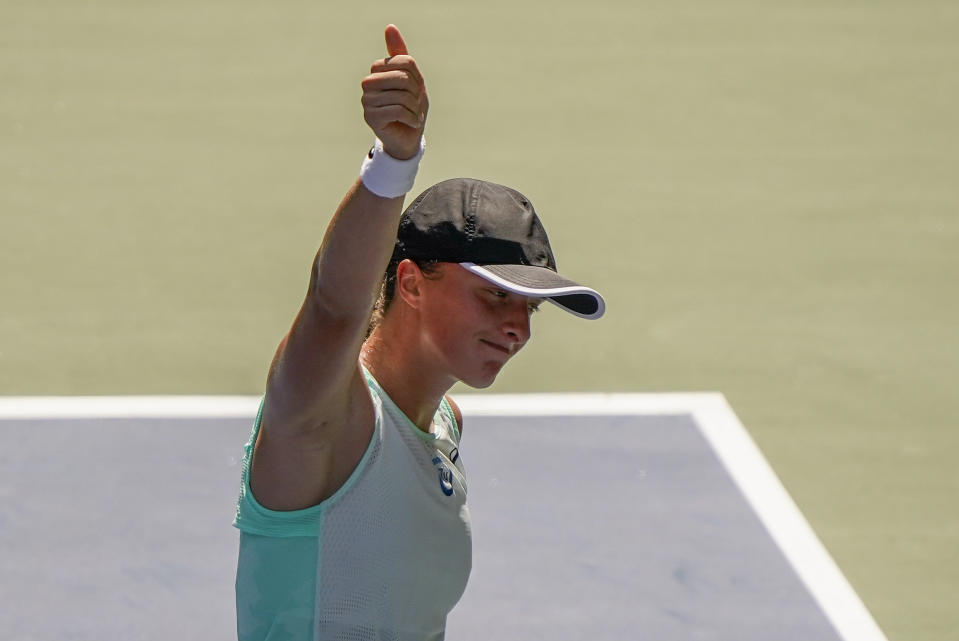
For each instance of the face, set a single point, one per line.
(472, 326)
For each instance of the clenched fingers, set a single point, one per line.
(393, 95)
(391, 80)
(380, 109)
(401, 63)
(387, 98)
(378, 118)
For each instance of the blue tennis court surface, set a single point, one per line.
(595, 517)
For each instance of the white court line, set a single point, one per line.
(715, 418)
(82, 407)
(746, 465)
(785, 522)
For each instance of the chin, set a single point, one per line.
(482, 380)
(479, 384)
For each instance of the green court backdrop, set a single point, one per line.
(765, 192)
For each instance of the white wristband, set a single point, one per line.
(386, 176)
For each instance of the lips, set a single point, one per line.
(499, 348)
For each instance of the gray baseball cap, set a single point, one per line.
(494, 232)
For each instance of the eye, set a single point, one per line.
(499, 293)
(533, 307)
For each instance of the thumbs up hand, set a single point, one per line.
(394, 99)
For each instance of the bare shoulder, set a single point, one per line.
(457, 413)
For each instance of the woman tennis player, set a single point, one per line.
(352, 510)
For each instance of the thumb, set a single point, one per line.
(395, 45)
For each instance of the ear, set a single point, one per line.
(409, 283)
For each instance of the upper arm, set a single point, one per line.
(314, 377)
(317, 422)
(312, 373)
(317, 413)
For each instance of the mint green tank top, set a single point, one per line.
(383, 559)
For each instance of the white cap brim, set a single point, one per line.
(541, 282)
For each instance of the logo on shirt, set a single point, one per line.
(446, 476)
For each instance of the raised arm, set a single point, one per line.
(317, 413)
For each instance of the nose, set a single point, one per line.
(516, 325)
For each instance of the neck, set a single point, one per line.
(402, 372)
